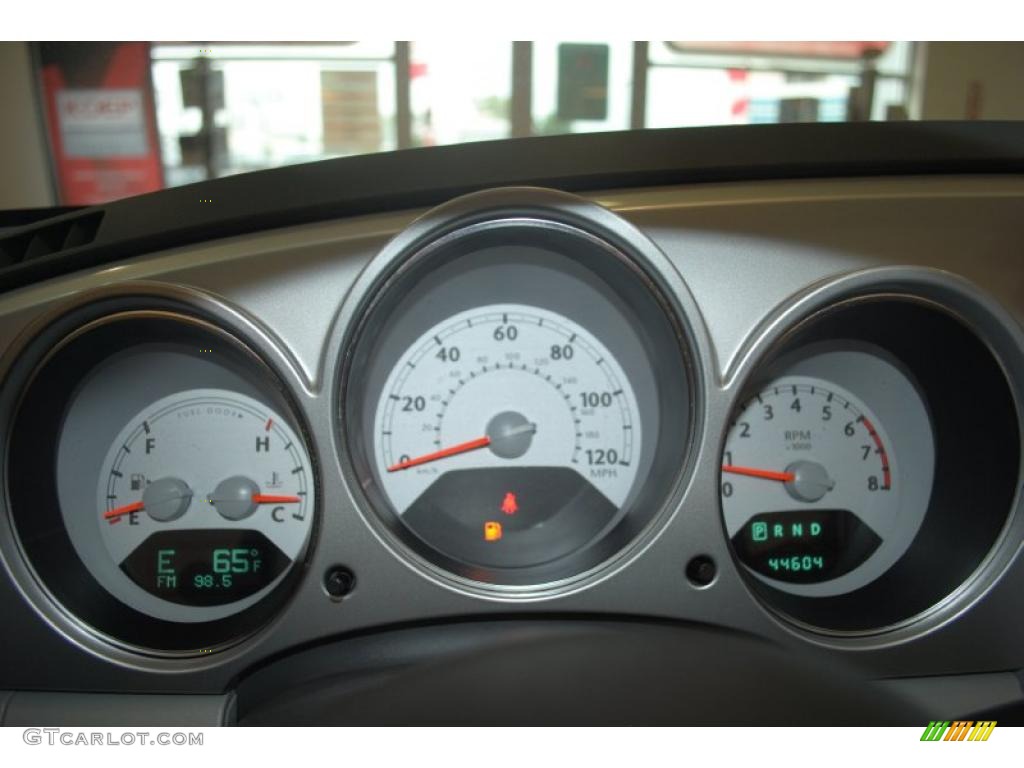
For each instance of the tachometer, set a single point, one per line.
(812, 488)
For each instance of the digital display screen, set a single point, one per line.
(805, 546)
(205, 567)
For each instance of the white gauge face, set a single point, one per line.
(204, 502)
(517, 408)
(812, 489)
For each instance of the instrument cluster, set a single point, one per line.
(520, 408)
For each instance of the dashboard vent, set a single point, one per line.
(49, 238)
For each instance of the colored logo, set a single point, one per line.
(958, 730)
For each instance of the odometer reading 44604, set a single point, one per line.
(809, 486)
(521, 410)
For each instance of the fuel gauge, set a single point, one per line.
(204, 499)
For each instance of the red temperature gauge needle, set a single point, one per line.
(766, 474)
(125, 510)
(444, 453)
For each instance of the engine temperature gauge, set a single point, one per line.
(204, 501)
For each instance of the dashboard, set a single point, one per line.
(622, 447)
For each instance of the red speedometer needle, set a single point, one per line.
(125, 510)
(261, 498)
(766, 474)
(444, 453)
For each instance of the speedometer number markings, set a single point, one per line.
(506, 385)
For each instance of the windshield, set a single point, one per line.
(123, 118)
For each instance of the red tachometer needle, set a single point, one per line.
(125, 510)
(260, 498)
(470, 445)
(766, 474)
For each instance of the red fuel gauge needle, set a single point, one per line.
(765, 474)
(125, 510)
(454, 450)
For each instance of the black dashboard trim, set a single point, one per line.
(406, 179)
(549, 673)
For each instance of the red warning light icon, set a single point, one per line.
(509, 505)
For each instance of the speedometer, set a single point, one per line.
(517, 403)
(519, 411)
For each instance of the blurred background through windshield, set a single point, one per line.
(98, 121)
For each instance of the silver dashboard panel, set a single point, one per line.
(743, 261)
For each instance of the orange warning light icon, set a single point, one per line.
(492, 531)
(509, 505)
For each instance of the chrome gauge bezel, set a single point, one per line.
(522, 213)
(95, 618)
(996, 333)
